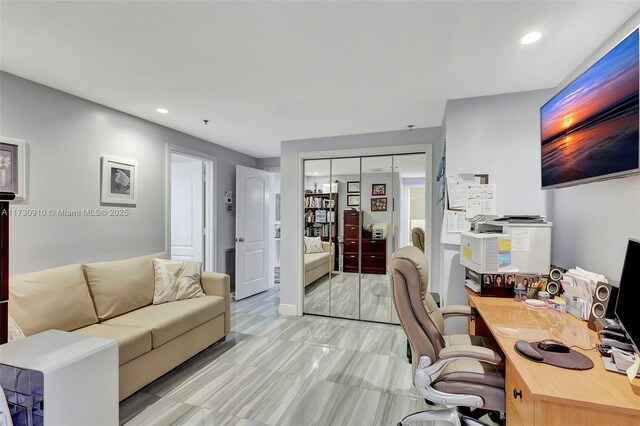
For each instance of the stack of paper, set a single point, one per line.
(580, 284)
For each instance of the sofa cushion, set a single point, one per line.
(176, 280)
(169, 320)
(312, 245)
(121, 286)
(132, 341)
(14, 331)
(52, 299)
(314, 260)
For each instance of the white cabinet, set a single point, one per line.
(73, 377)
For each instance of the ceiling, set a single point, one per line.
(263, 72)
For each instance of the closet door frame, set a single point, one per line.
(426, 148)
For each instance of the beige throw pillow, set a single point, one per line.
(15, 332)
(312, 245)
(176, 280)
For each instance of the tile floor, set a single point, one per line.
(277, 370)
(373, 291)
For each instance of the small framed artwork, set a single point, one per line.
(378, 189)
(526, 280)
(487, 280)
(510, 280)
(13, 176)
(353, 200)
(353, 187)
(379, 204)
(119, 178)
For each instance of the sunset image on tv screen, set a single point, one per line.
(590, 128)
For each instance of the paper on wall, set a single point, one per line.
(480, 199)
(457, 189)
(455, 221)
(520, 239)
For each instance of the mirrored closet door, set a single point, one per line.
(378, 237)
(345, 282)
(319, 231)
(357, 212)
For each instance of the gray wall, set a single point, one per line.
(264, 163)
(592, 222)
(291, 169)
(66, 137)
(498, 135)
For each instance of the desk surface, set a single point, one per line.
(510, 321)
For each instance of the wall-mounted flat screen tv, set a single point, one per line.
(590, 128)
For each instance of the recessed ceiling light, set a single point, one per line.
(162, 110)
(531, 37)
(315, 173)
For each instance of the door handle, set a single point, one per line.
(239, 240)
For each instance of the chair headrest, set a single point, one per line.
(418, 258)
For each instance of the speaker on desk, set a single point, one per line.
(605, 297)
(554, 287)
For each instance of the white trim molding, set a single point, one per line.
(288, 310)
(211, 215)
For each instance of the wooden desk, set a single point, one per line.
(552, 395)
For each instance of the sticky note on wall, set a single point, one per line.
(504, 259)
(504, 244)
(467, 253)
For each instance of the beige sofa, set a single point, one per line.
(317, 265)
(113, 300)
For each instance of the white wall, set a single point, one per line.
(498, 135)
(291, 166)
(594, 221)
(66, 137)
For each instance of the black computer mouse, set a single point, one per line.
(550, 345)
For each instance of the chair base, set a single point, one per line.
(446, 415)
(476, 413)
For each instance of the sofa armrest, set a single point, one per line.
(216, 284)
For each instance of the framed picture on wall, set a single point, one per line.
(378, 189)
(379, 204)
(353, 200)
(119, 178)
(13, 177)
(353, 187)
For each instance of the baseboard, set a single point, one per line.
(288, 310)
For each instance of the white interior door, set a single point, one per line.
(187, 208)
(254, 271)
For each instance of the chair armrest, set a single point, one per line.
(479, 353)
(216, 284)
(457, 311)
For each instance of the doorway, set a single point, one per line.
(191, 210)
(255, 219)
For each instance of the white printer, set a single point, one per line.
(529, 244)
